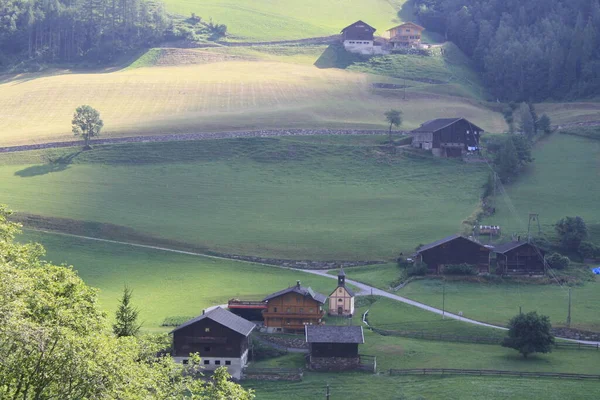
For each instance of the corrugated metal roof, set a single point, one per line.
(333, 334)
(225, 318)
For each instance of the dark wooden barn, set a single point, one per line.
(454, 250)
(447, 137)
(519, 258)
(334, 348)
(358, 31)
(220, 337)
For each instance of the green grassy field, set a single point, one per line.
(380, 276)
(166, 284)
(382, 387)
(168, 91)
(562, 181)
(270, 197)
(269, 20)
(497, 303)
(393, 352)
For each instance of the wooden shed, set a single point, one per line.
(519, 258)
(333, 348)
(219, 336)
(454, 250)
(447, 137)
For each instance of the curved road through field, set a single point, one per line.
(364, 288)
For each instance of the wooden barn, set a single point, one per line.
(447, 137)
(341, 300)
(359, 38)
(519, 258)
(293, 308)
(248, 309)
(333, 348)
(453, 250)
(219, 336)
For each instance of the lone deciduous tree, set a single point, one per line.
(529, 333)
(126, 322)
(87, 123)
(394, 117)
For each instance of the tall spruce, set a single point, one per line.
(126, 319)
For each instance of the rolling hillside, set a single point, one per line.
(268, 20)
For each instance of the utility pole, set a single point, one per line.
(520, 312)
(569, 314)
(444, 300)
(327, 394)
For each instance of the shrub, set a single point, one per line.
(418, 269)
(262, 351)
(589, 250)
(529, 333)
(572, 231)
(460, 269)
(175, 321)
(557, 261)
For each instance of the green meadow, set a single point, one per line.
(279, 197)
(562, 181)
(497, 303)
(267, 20)
(166, 284)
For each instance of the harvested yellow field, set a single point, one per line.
(218, 96)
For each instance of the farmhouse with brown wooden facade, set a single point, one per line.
(519, 258)
(447, 137)
(341, 300)
(405, 35)
(454, 250)
(219, 336)
(293, 308)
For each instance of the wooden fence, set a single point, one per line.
(489, 372)
(476, 339)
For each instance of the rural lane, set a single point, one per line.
(365, 289)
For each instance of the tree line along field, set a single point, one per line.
(277, 197)
(266, 20)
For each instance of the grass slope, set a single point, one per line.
(496, 303)
(166, 284)
(562, 181)
(220, 90)
(280, 198)
(266, 20)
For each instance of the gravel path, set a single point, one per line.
(364, 289)
(199, 136)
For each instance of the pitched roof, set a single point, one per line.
(506, 247)
(225, 318)
(359, 22)
(333, 334)
(437, 243)
(350, 291)
(341, 273)
(406, 24)
(301, 290)
(440, 123)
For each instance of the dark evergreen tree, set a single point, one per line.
(126, 319)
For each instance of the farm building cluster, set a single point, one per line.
(359, 38)
(513, 258)
(221, 337)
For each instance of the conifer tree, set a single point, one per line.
(126, 321)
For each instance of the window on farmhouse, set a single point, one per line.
(340, 300)
(227, 362)
(274, 309)
(206, 362)
(217, 362)
(206, 329)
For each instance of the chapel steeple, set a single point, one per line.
(341, 278)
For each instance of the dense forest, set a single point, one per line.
(527, 50)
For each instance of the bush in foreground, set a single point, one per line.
(529, 333)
